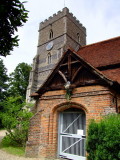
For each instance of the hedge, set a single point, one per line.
(103, 140)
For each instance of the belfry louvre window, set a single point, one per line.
(51, 34)
(78, 37)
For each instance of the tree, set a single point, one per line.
(15, 120)
(12, 15)
(3, 85)
(3, 80)
(18, 80)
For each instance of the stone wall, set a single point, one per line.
(65, 29)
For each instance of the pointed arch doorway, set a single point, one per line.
(72, 131)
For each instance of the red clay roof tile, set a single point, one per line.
(102, 53)
(113, 74)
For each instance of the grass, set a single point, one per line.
(5, 145)
(19, 151)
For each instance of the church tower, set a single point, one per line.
(56, 35)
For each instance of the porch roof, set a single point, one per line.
(104, 77)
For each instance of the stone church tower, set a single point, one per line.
(56, 35)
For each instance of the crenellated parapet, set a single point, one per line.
(60, 14)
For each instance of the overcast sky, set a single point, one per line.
(100, 17)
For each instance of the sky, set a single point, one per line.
(100, 17)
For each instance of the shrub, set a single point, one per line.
(15, 120)
(103, 141)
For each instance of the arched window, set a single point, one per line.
(51, 34)
(78, 37)
(49, 58)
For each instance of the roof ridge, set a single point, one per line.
(107, 40)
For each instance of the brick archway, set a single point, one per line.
(63, 106)
(53, 124)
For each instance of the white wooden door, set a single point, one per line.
(72, 135)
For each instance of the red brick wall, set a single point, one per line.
(96, 101)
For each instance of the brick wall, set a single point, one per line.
(96, 101)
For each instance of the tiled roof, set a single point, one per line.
(50, 83)
(113, 74)
(102, 53)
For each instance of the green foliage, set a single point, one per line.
(14, 86)
(12, 15)
(15, 119)
(19, 151)
(68, 94)
(19, 79)
(3, 85)
(3, 80)
(103, 142)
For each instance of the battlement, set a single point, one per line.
(60, 14)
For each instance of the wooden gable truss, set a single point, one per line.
(75, 70)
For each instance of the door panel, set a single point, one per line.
(73, 145)
(72, 135)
